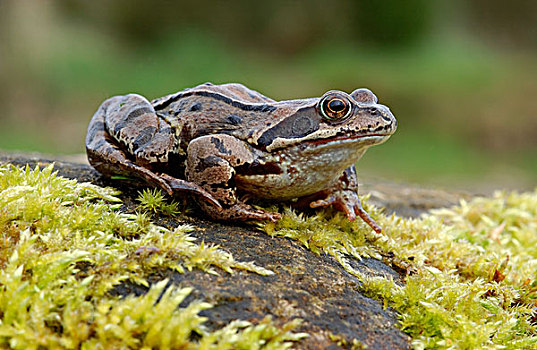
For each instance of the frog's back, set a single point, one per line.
(233, 91)
(211, 109)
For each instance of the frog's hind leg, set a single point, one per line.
(107, 156)
(211, 162)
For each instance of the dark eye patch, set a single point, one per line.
(302, 123)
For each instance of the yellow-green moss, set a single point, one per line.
(153, 201)
(471, 283)
(63, 246)
(472, 269)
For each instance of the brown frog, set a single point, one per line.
(223, 143)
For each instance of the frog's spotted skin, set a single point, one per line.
(220, 142)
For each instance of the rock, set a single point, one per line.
(312, 287)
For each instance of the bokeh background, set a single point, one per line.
(460, 76)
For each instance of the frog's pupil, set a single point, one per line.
(336, 105)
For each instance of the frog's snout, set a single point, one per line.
(388, 117)
(384, 117)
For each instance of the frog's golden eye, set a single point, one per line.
(335, 108)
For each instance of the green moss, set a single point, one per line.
(340, 340)
(64, 245)
(471, 269)
(154, 201)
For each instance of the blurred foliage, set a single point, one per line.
(456, 74)
(511, 26)
(281, 25)
(405, 22)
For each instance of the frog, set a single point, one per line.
(226, 144)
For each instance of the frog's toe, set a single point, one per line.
(350, 212)
(178, 185)
(246, 212)
(321, 203)
(166, 188)
(348, 202)
(272, 216)
(368, 219)
(240, 212)
(339, 203)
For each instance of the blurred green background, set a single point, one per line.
(460, 76)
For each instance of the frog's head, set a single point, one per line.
(336, 117)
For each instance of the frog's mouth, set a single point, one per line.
(352, 141)
(373, 139)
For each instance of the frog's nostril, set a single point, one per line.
(374, 111)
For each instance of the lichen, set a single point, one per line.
(470, 270)
(64, 245)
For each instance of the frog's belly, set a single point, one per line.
(291, 183)
(299, 172)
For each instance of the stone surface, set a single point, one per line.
(305, 285)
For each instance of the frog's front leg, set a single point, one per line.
(344, 197)
(211, 162)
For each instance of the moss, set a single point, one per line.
(154, 201)
(470, 270)
(64, 245)
(340, 340)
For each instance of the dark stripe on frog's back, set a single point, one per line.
(199, 114)
(247, 107)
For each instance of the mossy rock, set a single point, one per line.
(305, 285)
(339, 278)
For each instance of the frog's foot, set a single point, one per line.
(348, 202)
(174, 185)
(239, 212)
(118, 163)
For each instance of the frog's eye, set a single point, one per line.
(335, 108)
